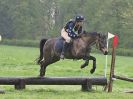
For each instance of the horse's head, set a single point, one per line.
(101, 43)
(98, 38)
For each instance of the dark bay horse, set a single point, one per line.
(80, 48)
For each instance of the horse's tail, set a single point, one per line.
(42, 42)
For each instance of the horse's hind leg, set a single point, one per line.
(46, 63)
(94, 64)
(43, 69)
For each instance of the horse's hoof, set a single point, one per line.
(40, 77)
(62, 57)
(92, 71)
(2, 92)
(82, 66)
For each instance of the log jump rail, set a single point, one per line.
(85, 82)
(123, 78)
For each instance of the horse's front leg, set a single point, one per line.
(86, 58)
(94, 64)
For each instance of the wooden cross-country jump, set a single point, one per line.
(85, 82)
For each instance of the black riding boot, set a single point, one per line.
(65, 46)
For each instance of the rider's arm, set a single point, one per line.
(80, 30)
(70, 31)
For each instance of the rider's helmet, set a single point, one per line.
(79, 18)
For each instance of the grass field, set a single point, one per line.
(20, 61)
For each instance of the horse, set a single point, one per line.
(79, 48)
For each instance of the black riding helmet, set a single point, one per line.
(79, 18)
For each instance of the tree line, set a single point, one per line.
(36, 19)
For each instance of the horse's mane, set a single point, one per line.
(93, 33)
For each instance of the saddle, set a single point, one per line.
(59, 45)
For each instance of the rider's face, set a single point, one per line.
(80, 23)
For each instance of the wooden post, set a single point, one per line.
(20, 85)
(110, 84)
(114, 45)
(87, 86)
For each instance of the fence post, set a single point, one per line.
(87, 86)
(21, 85)
(110, 84)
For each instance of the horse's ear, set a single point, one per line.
(99, 34)
(105, 35)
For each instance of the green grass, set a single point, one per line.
(20, 61)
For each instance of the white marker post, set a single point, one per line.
(0, 38)
(110, 35)
(1, 91)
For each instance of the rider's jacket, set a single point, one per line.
(72, 29)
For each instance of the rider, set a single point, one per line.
(71, 31)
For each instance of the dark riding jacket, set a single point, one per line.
(72, 29)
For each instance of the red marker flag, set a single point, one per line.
(115, 41)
